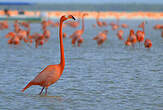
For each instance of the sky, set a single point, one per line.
(88, 1)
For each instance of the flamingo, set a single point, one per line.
(158, 26)
(114, 26)
(16, 26)
(51, 73)
(124, 25)
(99, 23)
(142, 25)
(73, 24)
(46, 33)
(76, 36)
(4, 25)
(140, 36)
(120, 34)
(101, 37)
(148, 43)
(132, 38)
(38, 38)
(44, 24)
(14, 39)
(26, 33)
(52, 23)
(39, 41)
(25, 24)
(128, 43)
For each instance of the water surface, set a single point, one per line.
(110, 77)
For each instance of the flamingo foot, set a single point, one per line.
(46, 91)
(41, 91)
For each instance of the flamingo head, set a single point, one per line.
(142, 24)
(64, 18)
(131, 32)
(71, 17)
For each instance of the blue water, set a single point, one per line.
(110, 77)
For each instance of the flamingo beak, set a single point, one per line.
(73, 18)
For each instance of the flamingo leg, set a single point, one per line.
(46, 91)
(41, 91)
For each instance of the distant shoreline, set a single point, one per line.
(91, 14)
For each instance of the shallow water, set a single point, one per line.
(110, 77)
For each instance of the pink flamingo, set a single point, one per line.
(101, 37)
(76, 36)
(51, 73)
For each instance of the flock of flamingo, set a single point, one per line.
(22, 32)
(52, 73)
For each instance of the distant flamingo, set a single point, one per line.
(44, 24)
(46, 34)
(114, 26)
(39, 41)
(25, 24)
(52, 23)
(128, 43)
(148, 43)
(51, 73)
(16, 26)
(142, 25)
(124, 25)
(120, 34)
(132, 37)
(4, 25)
(38, 38)
(77, 35)
(99, 23)
(10, 34)
(158, 26)
(140, 36)
(101, 37)
(22, 35)
(73, 24)
(14, 39)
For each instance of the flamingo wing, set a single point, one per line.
(48, 76)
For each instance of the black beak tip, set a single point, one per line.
(73, 18)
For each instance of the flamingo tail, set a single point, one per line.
(27, 86)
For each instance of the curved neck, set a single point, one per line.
(143, 29)
(97, 18)
(62, 61)
(82, 23)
